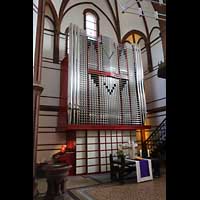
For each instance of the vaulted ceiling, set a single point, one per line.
(110, 9)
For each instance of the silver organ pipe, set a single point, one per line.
(70, 74)
(144, 108)
(74, 41)
(105, 81)
(139, 72)
(78, 77)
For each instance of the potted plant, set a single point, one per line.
(120, 154)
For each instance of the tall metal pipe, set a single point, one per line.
(74, 74)
(70, 74)
(144, 110)
(78, 77)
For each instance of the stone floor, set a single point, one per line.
(98, 188)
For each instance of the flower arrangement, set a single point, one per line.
(120, 152)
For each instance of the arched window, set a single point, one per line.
(133, 38)
(91, 23)
(137, 37)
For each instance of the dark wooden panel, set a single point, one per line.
(48, 108)
(156, 110)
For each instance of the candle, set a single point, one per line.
(148, 153)
(140, 152)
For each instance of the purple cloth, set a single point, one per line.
(144, 168)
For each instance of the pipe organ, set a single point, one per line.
(104, 81)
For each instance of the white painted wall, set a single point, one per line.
(35, 2)
(48, 39)
(156, 118)
(48, 136)
(48, 25)
(157, 52)
(154, 86)
(147, 6)
(50, 80)
(62, 45)
(48, 12)
(126, 23)
(57, 4)
(144, 60)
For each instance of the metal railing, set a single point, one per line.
(156, 140)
